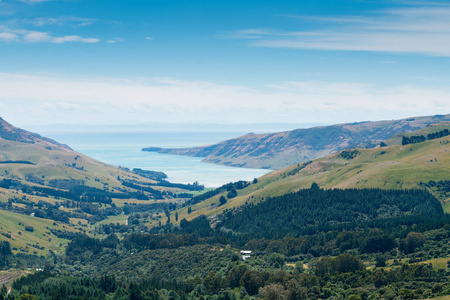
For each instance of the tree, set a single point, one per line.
(222, 200)
(212, 282)
(379, 278)
(232, 194)
(413, 240)
(314, 186)
(3, 292)
(168, 216)
(296, 291)
(377, 241)
(235, 274)
(343, 263)
(299, 267)
(252, 281)
(176, 217)
(189, 210)
(380, 261)
(277, 259)
(273, 292)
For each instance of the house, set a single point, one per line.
(245, 254)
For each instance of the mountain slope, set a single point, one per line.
(30, 157)
(392, 167)
(278, 150)
(11, 133)
(49, 189)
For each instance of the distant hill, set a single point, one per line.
(39, 160)
(32, 159)
(11, 133)
(278, 150)
(419, 165)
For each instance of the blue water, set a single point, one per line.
(124, 149)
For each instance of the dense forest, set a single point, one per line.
(312, 244)
(315, 209)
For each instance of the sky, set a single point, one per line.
(122, 62)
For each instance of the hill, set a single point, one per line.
(392, 167)
(278, 150)
(30, 157)
(11, 133)
(57, 191)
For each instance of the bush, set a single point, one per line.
(232, 194)
(222, 200)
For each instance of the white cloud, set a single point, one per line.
(424, 30)
(39, 36)
(7, 36)
(115, 40)
(60, 21)
(47, 99)
(74, 38)
(36, 37)
(148, 38)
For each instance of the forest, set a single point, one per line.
(422, 138)
(319, 244)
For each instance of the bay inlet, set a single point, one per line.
(124, 149)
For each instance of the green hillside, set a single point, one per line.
(392, 167)
(38, 241)
(48, 186)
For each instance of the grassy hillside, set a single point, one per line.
(278, 150)
(432, 128)
(55, 162)
(12, 133)
(391, 167)
(68, 191)
(39, 241)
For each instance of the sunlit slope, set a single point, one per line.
(390, 167)
(28, 156)
(432, 128)
(53, 162)
(39, 241)
(31, 161)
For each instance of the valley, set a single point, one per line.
(361, 222)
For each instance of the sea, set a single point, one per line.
(123, 148)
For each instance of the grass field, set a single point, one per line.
(440, 263)
(440, 298)
(7, 277)
(40, 241)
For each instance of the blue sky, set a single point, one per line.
(226, 62)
